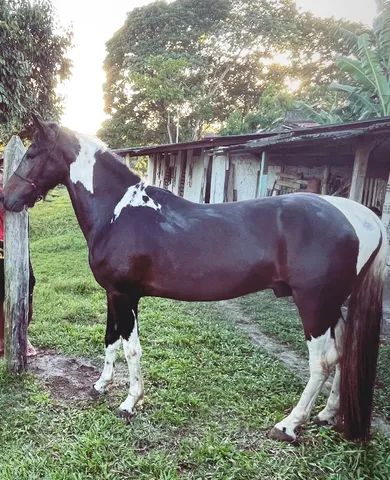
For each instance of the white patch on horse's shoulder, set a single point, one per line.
(135, 196)
(365, 223)
(81, 170)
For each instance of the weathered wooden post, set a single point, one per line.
(362, 155)
(16, 271)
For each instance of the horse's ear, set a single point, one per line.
(37, 120)
(43, 128)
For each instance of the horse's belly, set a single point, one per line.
(210, 285)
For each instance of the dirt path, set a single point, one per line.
(293, 361)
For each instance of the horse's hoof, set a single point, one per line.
(95, 394)
(125, 415)
(276, 434)
(336, 424)
(321, 423)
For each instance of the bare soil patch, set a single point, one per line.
(70, 379)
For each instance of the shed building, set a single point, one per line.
(350, 159)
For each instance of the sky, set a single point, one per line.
(93, 24)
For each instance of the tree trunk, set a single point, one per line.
(196, 130)
(177, 128)
(169, 128)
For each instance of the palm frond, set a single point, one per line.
(381, 30)
(357, 71)
(360, 101)
(320, 116)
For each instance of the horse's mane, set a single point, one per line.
(92, 140)
(111, 160)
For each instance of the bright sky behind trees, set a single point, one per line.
(94, 23)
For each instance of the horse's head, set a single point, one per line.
(44, 165)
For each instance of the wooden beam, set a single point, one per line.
(362, 155)
(324, 181)
(261, 187)
(152, 169)
(16, 271)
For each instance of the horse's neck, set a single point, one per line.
(97, 181)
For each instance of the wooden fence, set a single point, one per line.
(16, 271)
(374, 192)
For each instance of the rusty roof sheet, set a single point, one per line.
(301, 136)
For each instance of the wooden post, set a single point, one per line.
(362, 155)
(261, 190)
(386, 206)
(16, 271)
(324, 181)
(152, 168)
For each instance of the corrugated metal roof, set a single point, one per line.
(329, 132)
(207, 142)
(327, 135)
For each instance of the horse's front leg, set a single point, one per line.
(132, 350)
(112, 342)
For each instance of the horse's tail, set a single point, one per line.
(361, 344)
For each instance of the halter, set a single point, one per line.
(28, 180)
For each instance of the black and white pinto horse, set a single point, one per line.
(145, 241)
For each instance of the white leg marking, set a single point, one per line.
(133, 352)
(330, 412)
(108, 370)
(323, 355)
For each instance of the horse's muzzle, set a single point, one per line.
(13, 205)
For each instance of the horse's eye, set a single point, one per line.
(29, 155)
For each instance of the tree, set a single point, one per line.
(226, 49)
(164, 83)
(368, 68)
(364, 91)
(273, 104)
(32, 62)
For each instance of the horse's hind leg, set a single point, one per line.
(330, 414)
(323, 356)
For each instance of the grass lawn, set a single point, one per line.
(211, 396)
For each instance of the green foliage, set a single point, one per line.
(323, 115)
(213, 59)
(163, 82)
(369, 70)
(365, 91)
(270, 111)
(32, 61)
